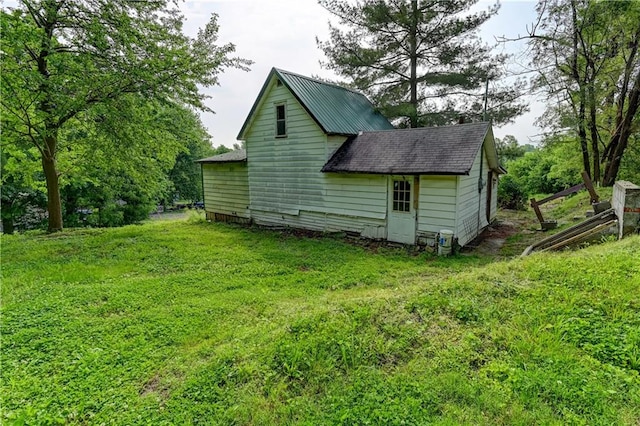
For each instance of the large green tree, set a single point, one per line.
(421, 61)
(586, 55)
(61, 58)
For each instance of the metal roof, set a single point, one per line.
(444, 150)
(337, 110)
(228, 157)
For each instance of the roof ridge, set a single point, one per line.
(420, 128)
(315, 80)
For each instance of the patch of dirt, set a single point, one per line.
(155, 385)
(494, 237)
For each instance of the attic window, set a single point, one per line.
(278, 83)
(281, 123)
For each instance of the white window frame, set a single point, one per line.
(281, 120)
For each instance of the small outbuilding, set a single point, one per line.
(319, 156)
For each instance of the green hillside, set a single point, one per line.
(185, 322)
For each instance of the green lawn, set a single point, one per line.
(185, 322)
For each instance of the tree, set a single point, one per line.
(22, 202)
(421, 62)
(118, 156)
(509, 149)
(62, 58)
(586, 54)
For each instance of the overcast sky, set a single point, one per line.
(282, 34)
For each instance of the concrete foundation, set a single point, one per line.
(626, 203)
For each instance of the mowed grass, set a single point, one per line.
(186, 322)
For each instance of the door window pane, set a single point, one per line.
(401, 196)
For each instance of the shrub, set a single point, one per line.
(510, 194)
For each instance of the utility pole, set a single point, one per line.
(486, 95)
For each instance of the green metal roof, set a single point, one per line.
(336, 109)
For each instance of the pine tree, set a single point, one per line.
(421, 62)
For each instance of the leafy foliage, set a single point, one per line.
(509, 149)
(510, 194)
(420, 61)
(546, 170)
(586, 55)
(62, 60)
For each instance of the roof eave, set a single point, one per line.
(205, 161)
(396, 172)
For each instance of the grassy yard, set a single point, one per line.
(186, 322)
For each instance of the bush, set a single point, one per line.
(510, 194)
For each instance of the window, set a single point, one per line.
(281, 123)
(401, 196)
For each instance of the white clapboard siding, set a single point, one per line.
(287, 185)
(226, 188)
(284, 173)
(354, 195)
(471, 211)
(437, 204)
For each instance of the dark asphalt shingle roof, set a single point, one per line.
(228, 157)
(337, 110)
(429, 150)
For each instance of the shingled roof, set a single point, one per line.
(236, 156)
(336, 109)
(445, 150)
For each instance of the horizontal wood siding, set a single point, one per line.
(437, 205)
(287, 185)
(333, 143)
(471, 212)
(356, 195)
(284, 173)
(226, 189)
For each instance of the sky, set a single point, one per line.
(283, 33)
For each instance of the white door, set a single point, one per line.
(401, 217)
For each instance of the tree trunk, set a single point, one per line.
(54, 206)
(413, 47)
(582, 135)
(620, 139)
(593, 130)
(582, 132)
(624, 120)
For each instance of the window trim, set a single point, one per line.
(281, 120)
(401, 197)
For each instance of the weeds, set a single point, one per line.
(197, 323)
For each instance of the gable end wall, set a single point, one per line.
(287, 185)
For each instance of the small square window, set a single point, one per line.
(281, 122)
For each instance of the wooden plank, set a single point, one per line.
(589, 185)
(580, 236)
(536, 209)
(563, 193)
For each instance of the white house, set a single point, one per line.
(320, 157)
